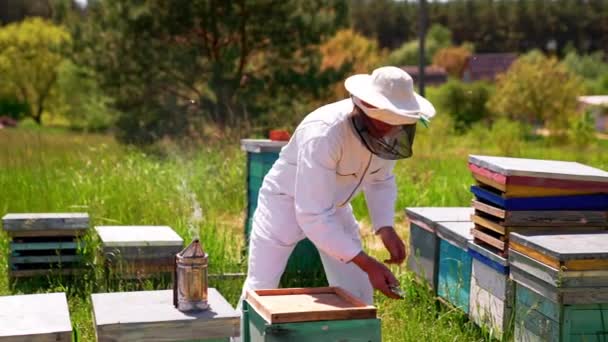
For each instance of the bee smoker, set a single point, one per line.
(190, 278)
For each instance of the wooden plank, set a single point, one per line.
(557, 218)
(457, 233)
(489, 209)
(45, 272)
(571, 202)
(586, 264)
(44, 259)
(138, 236)
(489, 239)
(40, 246)
(300, 305)
(135, 253)
(554, 169)
(513, 190)
(486, 223)
(534, 254)
(35, 317)
(151, 316)
(568, 245)
(558, 277)
(45, 233)
(45, 221)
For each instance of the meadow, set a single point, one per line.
(200, 192)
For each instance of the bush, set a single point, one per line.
(582, 130)
(464, 102)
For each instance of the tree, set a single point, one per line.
(437, 38)
(466, 103)
(538, 89)
(30, 56)
(173, 65)
(349, 52)
(452, 59)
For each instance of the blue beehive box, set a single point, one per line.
(454, 274)
(304, 267)
(423, 243)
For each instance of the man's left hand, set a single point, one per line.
(393, 244)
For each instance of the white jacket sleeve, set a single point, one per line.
(380, 196)
(314, 199)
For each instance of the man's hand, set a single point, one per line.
(393, 244)
(379, 275)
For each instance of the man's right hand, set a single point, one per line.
(379, 275)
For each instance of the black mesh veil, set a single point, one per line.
(397, 144)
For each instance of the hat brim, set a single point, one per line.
(407, 110)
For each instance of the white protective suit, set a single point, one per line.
(307, 193)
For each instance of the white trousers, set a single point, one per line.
(268, 258)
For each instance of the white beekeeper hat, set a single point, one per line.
(391, 91)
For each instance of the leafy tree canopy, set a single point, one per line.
(31, 53)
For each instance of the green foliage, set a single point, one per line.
(464, 102)
(537, 89)
(582, 130)
(438, 37)
(348, 52)
(172, 66)
(592, 68)
(80, 99)
(30, 54)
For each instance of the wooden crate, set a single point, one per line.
(151, 316)
(139, 251)
(492, 292)
(308, 314)
(454, 270)
(539, 173)
(35, 317)
(423, 244)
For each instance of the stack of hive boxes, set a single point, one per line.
(44, 243)
(561, 286)
(515, 198)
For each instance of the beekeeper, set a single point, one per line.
(337, 151)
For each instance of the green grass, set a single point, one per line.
(202, 194)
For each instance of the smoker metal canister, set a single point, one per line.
(190, 279)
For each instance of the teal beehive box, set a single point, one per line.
(454, 274)
(561, 285)
(423, 243)
(304, 266)
(308, 314)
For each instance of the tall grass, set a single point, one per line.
(202, 194)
